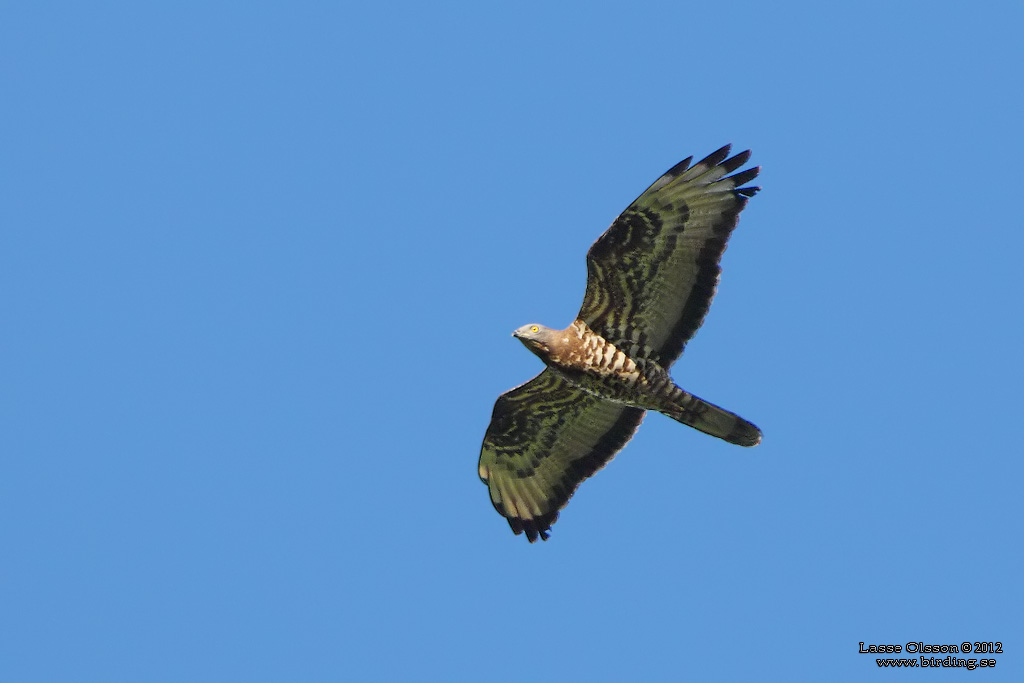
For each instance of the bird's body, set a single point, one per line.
(592, 363)
(651, 279)
(589, 361)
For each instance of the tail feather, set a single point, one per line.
(710, 419)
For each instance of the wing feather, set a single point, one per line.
(653, 273)
(545, 438)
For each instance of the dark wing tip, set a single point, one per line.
(744, 177)
(730, 165)
(679, 168)
(534, 528)
(718, 156)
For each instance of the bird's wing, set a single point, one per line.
(545, 438)
(653, 273)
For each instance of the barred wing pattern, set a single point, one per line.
(653, 273)
(545, 438)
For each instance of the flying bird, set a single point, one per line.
(650, 280)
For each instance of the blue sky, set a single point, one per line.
(260, 264)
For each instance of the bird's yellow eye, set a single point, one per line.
(534, 328)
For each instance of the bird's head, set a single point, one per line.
(535, 337)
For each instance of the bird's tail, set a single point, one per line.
(710, 419)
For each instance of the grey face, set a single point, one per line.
(534, 337)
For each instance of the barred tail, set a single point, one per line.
(711, 419)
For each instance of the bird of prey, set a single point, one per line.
(650, 280)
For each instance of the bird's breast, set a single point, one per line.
(592, 354)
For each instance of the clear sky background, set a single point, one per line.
(259, 265)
